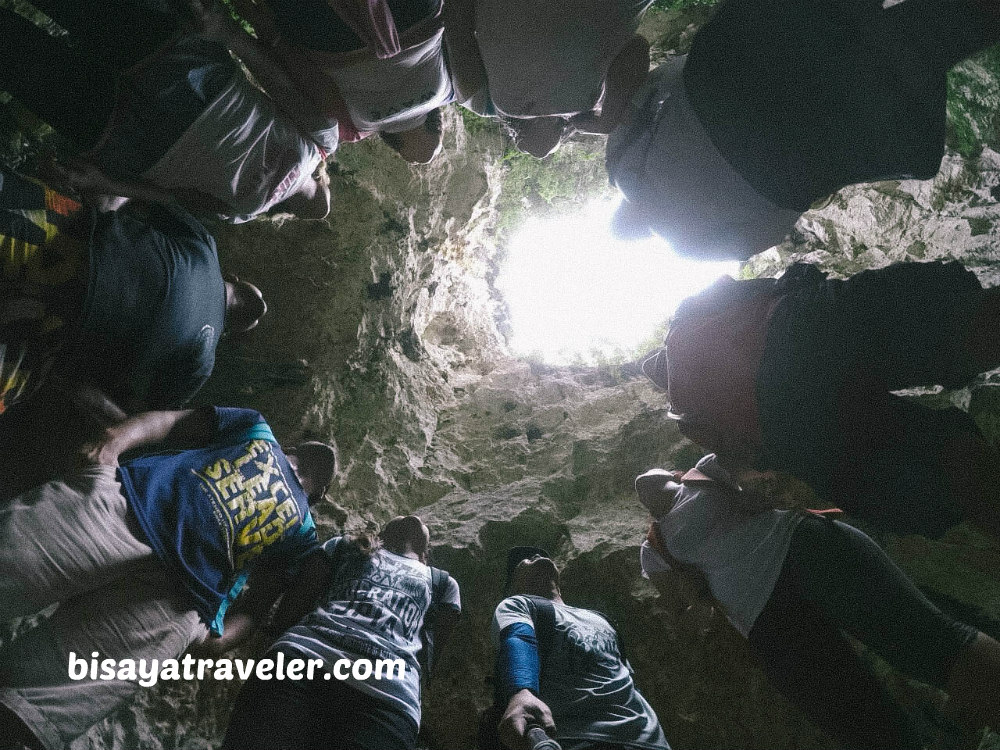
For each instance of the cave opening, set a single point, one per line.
(576, 294)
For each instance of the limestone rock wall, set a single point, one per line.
(386, 334)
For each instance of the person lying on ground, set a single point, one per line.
(795, 375)
(361, 601)
(794, 584)
(145, 558)
(162, 112)
(779, 104)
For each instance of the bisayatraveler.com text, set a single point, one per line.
(147, 672)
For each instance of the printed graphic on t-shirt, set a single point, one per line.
(41, 281)
(589, 643)
(385, 598)
(252, 500)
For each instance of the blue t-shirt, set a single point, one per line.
(214, 512)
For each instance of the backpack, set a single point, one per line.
(439, 586)
(543, 614)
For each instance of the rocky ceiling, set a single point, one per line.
(387, 335)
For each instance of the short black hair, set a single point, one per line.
(515, 555)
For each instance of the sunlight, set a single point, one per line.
(577, 294)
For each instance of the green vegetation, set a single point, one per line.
(679, 4)
(566, 179)
(974, 104)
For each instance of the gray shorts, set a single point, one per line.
(71, 541)
(834, 351)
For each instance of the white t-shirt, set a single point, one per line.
(692, 196)
(551, 58)
(740, 554)
(374, 609)
(585, 681)
(242, 151)
(396, 93)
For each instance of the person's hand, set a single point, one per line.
(104, 451)
(524, 710)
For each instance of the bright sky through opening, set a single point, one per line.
(576, 293)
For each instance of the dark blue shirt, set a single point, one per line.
(214, 512)
(155, 306)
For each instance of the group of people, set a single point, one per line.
(161, 530)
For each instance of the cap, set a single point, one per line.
(654, 367)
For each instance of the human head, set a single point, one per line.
(421, 144)
(315, 466)
(530, 570)
(312, 198)
(245, 304)
(657, 490)
(655, 368)
(538, 136)
(406, 534)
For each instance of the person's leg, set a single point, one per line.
(916, 324)
(63, 538)
(847, 576)
(907, 324)
(372, 724)
(911, 469)
(68, 90)
(279, 715)
(971, 468)
(812, 664)
(973, 688)
(147, 616)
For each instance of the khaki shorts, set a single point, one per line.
(71, 541)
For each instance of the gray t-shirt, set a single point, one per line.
(551, 58)
(585, 680)
(374, 609)
(664, 161)
(740, 553)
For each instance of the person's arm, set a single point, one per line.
(307, 589)
(626, 74)
(108, 193)
(247, 616)
(518, 673)
(216, 24)
(444, 626)
(524, 710)
(187, 428)
(468, 74)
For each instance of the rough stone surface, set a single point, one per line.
(386, 334)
